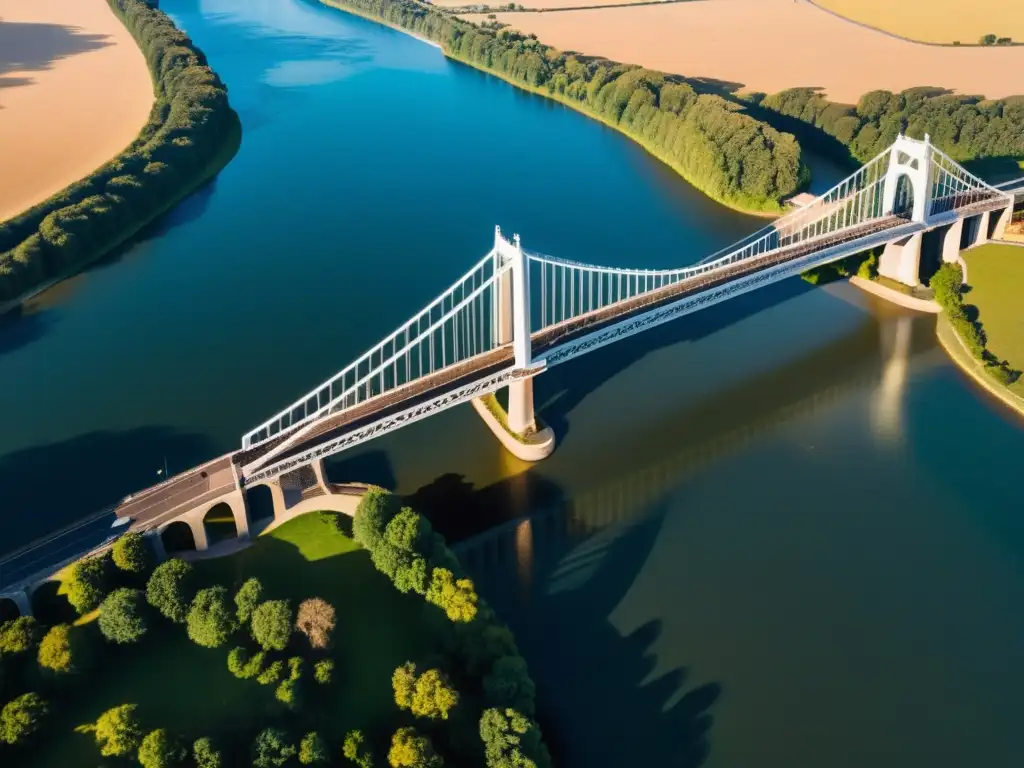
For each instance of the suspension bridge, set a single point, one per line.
(516, 313)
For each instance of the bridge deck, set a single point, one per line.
(182, 492)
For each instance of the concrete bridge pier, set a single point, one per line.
(157, 543)
(951, 240)
(1005, 216)
(901, 260)
(521, 416)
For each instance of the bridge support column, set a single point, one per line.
(157, 543)
(199, 533)
(901, 260)
(1005, 217)
(521, 417)
(984, 223)
(951, 239)
(321, 475)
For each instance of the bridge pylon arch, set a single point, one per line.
(910, 160)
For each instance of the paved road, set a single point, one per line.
(189, 489)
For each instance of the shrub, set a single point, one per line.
(272, 674)
(295, 668)
(313, 750)
(19, 636)
(160, 750)
(272, 748)
(244, 665)
(118, 731)
(289, 693)
(457, 598)
(316, 620)
(272, 624)
(403, 681)
(131, 553)
(62, 650)
(170, 589)
(510, 738)
(357, 750)
(121, 619)
(87, 583)
(374, 511)
(246, 600)
(205, 755)
(22, 717)
(323, 671)
(410, 749)
(210, 621)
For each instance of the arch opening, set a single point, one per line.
(8, 609)
(260, 501)
(903, 205)
(219, 523)
(177, 537)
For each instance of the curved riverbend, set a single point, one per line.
(790, 512)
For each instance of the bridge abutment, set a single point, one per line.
(901, 260)
(21, 601)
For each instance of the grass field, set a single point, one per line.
(996, 276)
(936, 21)
(188, 689)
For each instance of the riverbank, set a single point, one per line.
(954, 346)
(59, 59)
(702, 164)
(192, 132)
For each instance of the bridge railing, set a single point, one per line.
(953, 187)
(457, 325)
(568, 289)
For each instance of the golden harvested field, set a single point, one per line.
(770, 45)
(937, 21)
(74, 92)
(530, 3)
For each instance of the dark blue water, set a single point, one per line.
(781, 532)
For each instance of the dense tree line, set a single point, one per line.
(712, 142)
(964, 127)
(191, 132)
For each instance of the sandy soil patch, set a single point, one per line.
(936, 21)
(770, 45)
(74, 92)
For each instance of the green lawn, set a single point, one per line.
(188, 689)
(996, 276)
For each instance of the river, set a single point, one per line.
(784, 531)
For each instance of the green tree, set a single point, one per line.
(434, 696)
(372, 515)
(19, 636)
(86, 584)
(512, 739)
(403, 681)
(313, 750)
(210, 620)
(131, 553)
(244, 665)
(62, 650)
(987, 40)
(118, 732)
(296, 666)
(272, 748)
(206, 755)
(289, 693)
(121, 616)
(409, 749)
(272, 674)
(356, 750)
(170, 589)
(272, 624)
(22, 717)
(159, 749)
(323, 671)
(316, 620)
(456, 597)
(246, 600)
(509, 685)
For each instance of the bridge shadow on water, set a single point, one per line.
(560, 390)
(600, 699)
(48, 486)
